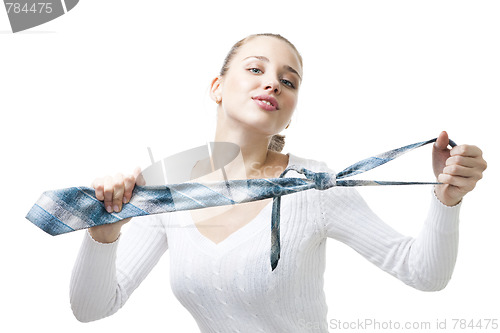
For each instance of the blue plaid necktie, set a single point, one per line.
(66, 210)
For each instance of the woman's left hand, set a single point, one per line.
(459, 169)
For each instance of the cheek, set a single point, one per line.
(236, 85)
(291, 102)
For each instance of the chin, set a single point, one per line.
(257, 119)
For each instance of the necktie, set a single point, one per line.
(65, 210)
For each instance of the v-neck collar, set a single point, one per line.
(254, 226)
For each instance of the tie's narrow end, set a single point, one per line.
(274, 262)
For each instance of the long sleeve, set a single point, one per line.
(425, 262)
(105, 275)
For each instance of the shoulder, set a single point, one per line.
(282, 161)
(308, 163)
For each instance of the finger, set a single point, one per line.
(467, 151)
(463, 184)
(462, 171)
(108, 194)
(118, 191)
(139, 178)
(98, 185)
(442, 141)
(129, 183)
(470, 162)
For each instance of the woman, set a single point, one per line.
(220, 262)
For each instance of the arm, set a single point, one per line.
(105, 275)
(425, 262)
(110, 265)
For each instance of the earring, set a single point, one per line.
(288, 124)
(218, 100)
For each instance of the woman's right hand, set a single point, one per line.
(114, 191)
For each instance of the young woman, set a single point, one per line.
(220, 261)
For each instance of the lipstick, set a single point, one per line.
(266, 102)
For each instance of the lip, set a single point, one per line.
(262, 99)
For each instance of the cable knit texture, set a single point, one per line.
(229, 286)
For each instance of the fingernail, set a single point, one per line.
(109, 209)
(125, 200)
(116, 208)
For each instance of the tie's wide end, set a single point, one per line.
(47, 222)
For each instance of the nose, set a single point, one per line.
(273, 85)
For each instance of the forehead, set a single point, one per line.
(276, 50)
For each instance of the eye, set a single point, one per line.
(287, 83)
(255, 70)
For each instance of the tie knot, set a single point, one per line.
(323, 180)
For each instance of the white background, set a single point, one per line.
(86, 94)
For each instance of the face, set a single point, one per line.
(259, 91)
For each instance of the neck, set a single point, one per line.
(254, 156)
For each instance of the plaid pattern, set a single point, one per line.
(61, 211)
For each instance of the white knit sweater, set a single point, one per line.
(229, 287)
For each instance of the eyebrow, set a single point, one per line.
(289, 68)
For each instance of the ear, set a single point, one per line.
(216, 89)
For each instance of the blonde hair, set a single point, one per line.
(277, 141)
